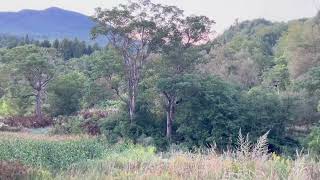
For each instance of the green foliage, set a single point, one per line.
(6, 108)
(103, 70)
(117, 128)
(28, 70)
(309, 87)
(9, 41)
(313, 141)
(245, 52)
(300, 47)
(278, 76)
(312, 81)
(264, 110)
(208, 113)
(66, 93)
(212, 112)
(68, 125)
(282, 166)
(121, 155)
(67, 48)
(51, 155)
(74, 48)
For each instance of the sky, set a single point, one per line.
(224, 12)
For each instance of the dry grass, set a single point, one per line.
(13, 170)
(197, 166)
(249, 161)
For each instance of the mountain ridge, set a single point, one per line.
(50, 23)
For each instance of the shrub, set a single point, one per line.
(28, 122)
(117, 127)
(5, 107)
(94, 113)
(91, 126)
(67, 93)
(119, 158)
(76, 125)
(68, 125)
(313, 141)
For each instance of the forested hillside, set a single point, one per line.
(161, 81)
(49, 23)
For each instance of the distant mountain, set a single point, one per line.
(49, 24)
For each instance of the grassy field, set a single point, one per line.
(28, 156)
(39, 137)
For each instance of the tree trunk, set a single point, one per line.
(170, 116)
(133, 82)
(132, 106)
(38, 105)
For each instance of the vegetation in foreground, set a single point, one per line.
(177, 87)
(83, 158)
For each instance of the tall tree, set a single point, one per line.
(45, 44)
(173, 69)
(180, 57)
(34, 66)
(55, 44)
(136, 30)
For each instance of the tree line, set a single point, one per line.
(67, 48)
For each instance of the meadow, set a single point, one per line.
(27, 156)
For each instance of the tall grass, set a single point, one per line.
(182, 165)
(90, 159)
(52, 155)
(248, 161)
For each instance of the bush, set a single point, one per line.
(91, 126)
(118, 127)
(313, 141)
(28, 122)
(86, 114)
(68, 125)
(92, 120)
(264, 110)
(66, 94)
(76, 125)
(5, 107)
(49, 154)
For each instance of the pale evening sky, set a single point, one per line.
(224, 12)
